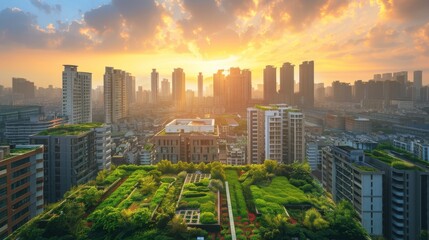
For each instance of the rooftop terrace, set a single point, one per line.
(69, 129)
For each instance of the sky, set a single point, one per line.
(348, 40)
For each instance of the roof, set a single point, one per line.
(69, 130)
(19, 150)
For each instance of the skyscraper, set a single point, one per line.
(270, 87)
(154, 83)
(179, 96)
(306, 84)
(200, 86)
(23, 87)
(246, 75)
(76, 95)
(287, 83)
(130, 85)
(165, 88)
(417, 85)
(219, 89)
(116, 92)
(275, 132)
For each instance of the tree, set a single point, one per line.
(216, 185)
(166, 166)
(90, 197)
(313, 220)
(108, 219)
(217, 172)
(147, 185)
(270, 165)
(207, 218)
(141, 218)
(101, 176)
(344, 224)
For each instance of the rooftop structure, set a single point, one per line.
(68, 130)
(190, 125)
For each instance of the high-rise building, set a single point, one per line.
(21, 186)
(116, 94)
(234, 85)
(417, 85)
(246, 75)
(179, 95)
(130, 85)
(405, 195)
(200, 86)
(287, 82)
(219, 88)
(342, 91)
(71, 153)
(270, 87)
(77, 95)
(306, 84)
(103, 141)
(187, 140)
(165, 88)
(154, 83)
(25, 89)
(359, 90)
(275, 132)
(346, 175)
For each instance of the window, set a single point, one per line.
(19, 193)
(20, 162)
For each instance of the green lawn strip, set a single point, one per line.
(123, 191)
(272, 198)
(238, 201)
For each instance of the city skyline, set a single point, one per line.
(349, 40)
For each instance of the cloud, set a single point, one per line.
(421, 39)
(46, 7)
(406, 10)
(18, 28)
(382, 36)
(127, 24)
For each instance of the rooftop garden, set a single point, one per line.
(365, 168)
(19, 151)
(69, 129)
(266, 108)
(384, 153)
(180, 201)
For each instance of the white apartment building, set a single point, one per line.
(116, 94)
(103, 146)
(77, 95)
(275, 132)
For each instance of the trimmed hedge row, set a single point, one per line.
(238, 201)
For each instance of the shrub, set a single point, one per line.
(207, 218)
(207, 207)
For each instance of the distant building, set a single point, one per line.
(287, 82)
(21, 186)
(313, 155)
(270, 87)
(417, 85)
(275, 132)
(116, 94)
(419, 148)
(77, 88)
(187, 140)
(154, 84)
(70, 157)
(23, 88)
(16, 114)
(235, 155)
(200, 86)
(19, 132)
(147, 155)
(179, 83)
(165, 88)
(347, 176)
(342, 91)
(306, 84)
(358, 125)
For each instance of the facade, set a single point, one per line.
(270, 85)
(116, 94)
(77, 87)
(346, 175)
(23, 88)
(16, 113)
(275, 132)
(313, 155)
(103, 147)
(235, 155)
(219, 88)
(70, 157)
(419, 148)
(287, 83)
(21, 186)
(19, 132)
(179, 94)
(154, 84)
(187, 140)
(306, 84)
(406, 194)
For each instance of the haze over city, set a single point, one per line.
(348, 40)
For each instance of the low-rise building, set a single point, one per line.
(187, 140)
(21, 186)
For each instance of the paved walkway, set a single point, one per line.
(231, 217)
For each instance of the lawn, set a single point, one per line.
(271, 199)
(238, 201)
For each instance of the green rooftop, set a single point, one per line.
(365, 168)
(401, 164)
(69, 129)
(19, 151)
(266, 108)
